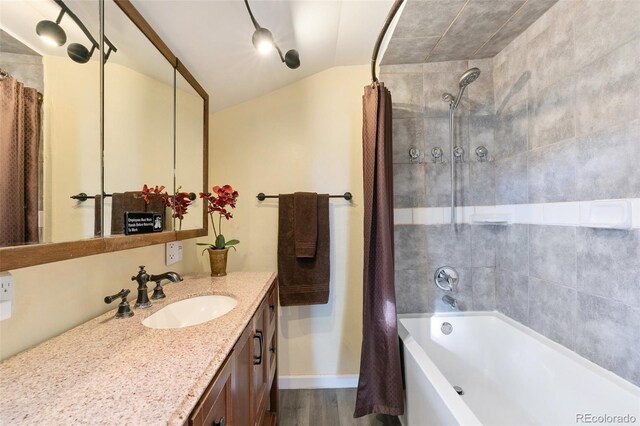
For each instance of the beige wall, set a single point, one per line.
(303, 137)
(53, 298)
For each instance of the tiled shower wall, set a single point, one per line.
(559, 111)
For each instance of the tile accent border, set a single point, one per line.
(573, 213)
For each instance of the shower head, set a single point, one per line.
(469, 77)
(466, 79)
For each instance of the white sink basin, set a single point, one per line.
(191, 312)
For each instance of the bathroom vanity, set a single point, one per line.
(117, 371)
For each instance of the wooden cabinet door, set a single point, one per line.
(260, 362)
(241, 381)
(214, 408)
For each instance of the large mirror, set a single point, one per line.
(154, 133)
(50, 121)
(189, 152)
(138, 123)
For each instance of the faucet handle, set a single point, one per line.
(141, 273)
(124, 311)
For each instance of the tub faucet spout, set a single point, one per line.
(451, 301)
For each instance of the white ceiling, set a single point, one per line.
(213, 39)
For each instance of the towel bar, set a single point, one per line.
(347, 196)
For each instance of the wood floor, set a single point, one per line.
(325, 407)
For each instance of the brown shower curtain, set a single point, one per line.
(20, 127)
(380, 382)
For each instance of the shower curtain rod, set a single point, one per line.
(383, 32)
(347, 196)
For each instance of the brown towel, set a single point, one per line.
(302, 281)
(305, 219)
(122, 202)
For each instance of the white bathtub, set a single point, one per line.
(510, 375)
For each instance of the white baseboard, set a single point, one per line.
(318, 382)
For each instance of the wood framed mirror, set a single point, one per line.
(188, 94)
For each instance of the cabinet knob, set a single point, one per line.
(272, 349)
(221, 422)
(272, 307)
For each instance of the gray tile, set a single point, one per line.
(484, 289)
(607, 333)
(438, 192)
(410, 247)
(482, 133)
(512, 248)
(411, 290)
(512, 295)
(480, 92)
(511, 130)
(510, 78)
(609, 264)
(407, 133)
(552, 254)
(552, 173)
(551, 114)
(409, 185)
(408, 50)
(607, 91)
(406, 93)
(463, 293)
(426, 18)
(451, 67)
(608, 163)
(531, 11)
(481, 190)
(511, 179)
(484, 242)
(447, 246)
(550, 54)
(436, 131)
(604, 26)
(552, 311)
(475, 24)
(399, 69)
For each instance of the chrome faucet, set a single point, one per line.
(143, 278)
(451, 301)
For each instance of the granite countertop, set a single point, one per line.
(116, 371)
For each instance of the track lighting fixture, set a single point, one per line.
(53, 34)
(263, 42)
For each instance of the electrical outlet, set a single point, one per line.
(174, 252)
(7, 295)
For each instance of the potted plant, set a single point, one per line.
(220, 198)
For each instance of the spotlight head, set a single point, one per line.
(78, 53)
(51, 33)
(292, 59)
(262, 40)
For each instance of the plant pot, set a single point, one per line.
(218, 261)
